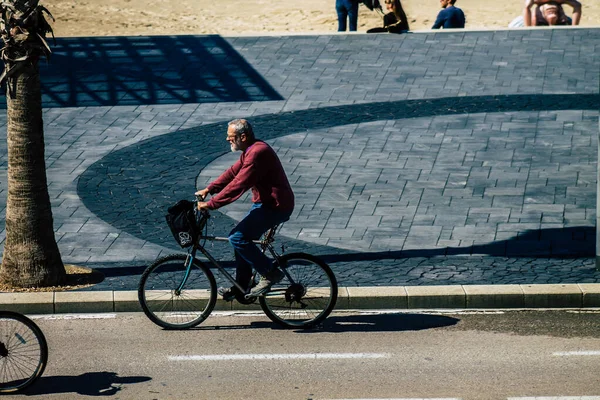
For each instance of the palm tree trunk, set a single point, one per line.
(31, 257)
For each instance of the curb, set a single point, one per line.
(573, 295)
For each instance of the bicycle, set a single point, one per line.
(179, 291)
(23, 352)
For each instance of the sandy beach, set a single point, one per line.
(256, 17)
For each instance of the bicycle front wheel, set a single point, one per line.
(305, 300)
(174, 297)
(23, 352)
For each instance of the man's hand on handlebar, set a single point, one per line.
(201, 195)
(202, 205)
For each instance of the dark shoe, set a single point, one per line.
(266, 282)
(228, 294)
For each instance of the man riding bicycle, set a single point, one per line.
(258, 169)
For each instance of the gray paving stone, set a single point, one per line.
(382, 184)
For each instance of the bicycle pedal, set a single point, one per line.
(242, 299)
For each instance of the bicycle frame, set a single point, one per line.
(266, 244)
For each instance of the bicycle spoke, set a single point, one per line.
(304, 298)
(173, 298)
(26, 349)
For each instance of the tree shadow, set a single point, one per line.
(88, 384)
(78, 276)
(383, 323)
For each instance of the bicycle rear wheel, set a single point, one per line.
(308, 299)
(23, 352)
(170, 305)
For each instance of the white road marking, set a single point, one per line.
(577, 353)
(509, 398)
(556, 398)
(420, 398)
(473, 312)
(592, 311)
(298, 356)
(73, 316)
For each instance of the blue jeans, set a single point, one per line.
(347, 8)
(247, 255)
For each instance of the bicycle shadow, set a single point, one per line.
(392, 322)
(355, 323)
(396, 322)
(388, 322)
(87, 384)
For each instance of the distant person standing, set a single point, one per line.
(450, 17)
(347, 10)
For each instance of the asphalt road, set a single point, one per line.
(475, 355)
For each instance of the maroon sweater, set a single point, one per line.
(258, 169)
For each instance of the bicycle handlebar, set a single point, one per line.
(201, 213)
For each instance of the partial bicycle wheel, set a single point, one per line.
(171, 303)
(306, 300)
(23, 352)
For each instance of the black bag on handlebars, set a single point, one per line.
(182, 222)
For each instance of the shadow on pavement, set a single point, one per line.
(251, 325)
(577, 242)
(128, 170)
(383, 323)
(566, 243)
(88, 384)
(123, 270)
(355, 323)
(109, 71)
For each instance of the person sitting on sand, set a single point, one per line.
(547, 13)
(551, 13)
(450, 17)
(395, 20)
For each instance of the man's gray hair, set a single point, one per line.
(242, 126)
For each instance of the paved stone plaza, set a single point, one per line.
(419, 159)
